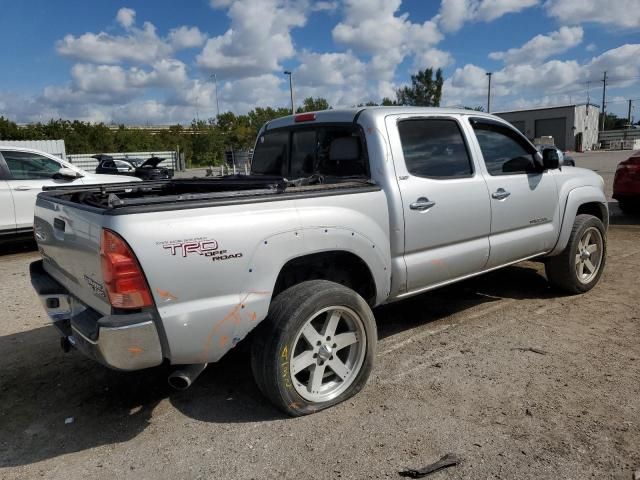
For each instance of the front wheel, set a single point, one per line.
(315, 349)
(579, 267)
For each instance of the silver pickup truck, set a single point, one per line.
(344, 210)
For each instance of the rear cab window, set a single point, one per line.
(299, 152)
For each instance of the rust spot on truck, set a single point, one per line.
(166, 295)
(234, 317)
(135, 350)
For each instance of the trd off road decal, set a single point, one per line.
(207, 247)
(96, 288)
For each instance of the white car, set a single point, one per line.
(23, 173)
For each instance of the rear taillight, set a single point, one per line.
(126, 285)
(304, 117)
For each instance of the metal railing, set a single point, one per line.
(88, 163)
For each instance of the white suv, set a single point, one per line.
(23, 173)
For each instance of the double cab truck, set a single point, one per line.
(344, 210)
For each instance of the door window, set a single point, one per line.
(122, 165)
(30, 166)
(434, 148)
(505, 152)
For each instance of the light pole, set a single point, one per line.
(489, 93)
(287, 72)
(215, 83)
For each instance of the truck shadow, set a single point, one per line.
(42, 389)
(11, 247)
(618, 217)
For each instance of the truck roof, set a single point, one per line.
(349, 114)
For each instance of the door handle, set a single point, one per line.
(500, 194)
(422, 204)
(22, 188)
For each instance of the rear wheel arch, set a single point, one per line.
(339, 266)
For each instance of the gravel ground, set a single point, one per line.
(453, 374)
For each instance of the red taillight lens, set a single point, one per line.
(126, 285)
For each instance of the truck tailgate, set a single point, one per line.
(69, 242)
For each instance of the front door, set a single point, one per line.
(28, 173)
(524, 198)
(445, 200)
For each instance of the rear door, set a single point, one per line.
(28, 173)
(524, 199)
(445, 200)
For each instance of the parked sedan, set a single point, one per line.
(626, 183)
(23, 173)
(145, 169)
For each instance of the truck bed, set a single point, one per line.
(176, 194)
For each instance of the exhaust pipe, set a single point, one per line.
(182, 378)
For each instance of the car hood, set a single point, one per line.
(100, 178)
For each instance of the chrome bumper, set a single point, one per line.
(122, 342)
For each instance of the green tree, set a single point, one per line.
(311, 104)
(425, 91)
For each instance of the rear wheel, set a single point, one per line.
(579, 267)
(315, 349)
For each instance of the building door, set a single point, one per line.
(553, 127)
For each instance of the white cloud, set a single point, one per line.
(324, 6)
(542, 46)
(186, 37)
(432, 57)
(546, 82)
(592, 47)
(257, 41)
(455, 13)
(126, 17)
(373, 27)
(619, 13)
(139, 45)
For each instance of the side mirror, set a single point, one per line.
(67, 174)
(550, 159)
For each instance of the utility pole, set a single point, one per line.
(287, 72)
(489, 93)
(215, 83)
(629, 114)
(604, 92)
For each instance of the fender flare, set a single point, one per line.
(575, 198)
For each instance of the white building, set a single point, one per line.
(573, 127)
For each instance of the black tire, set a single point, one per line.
(561, 269)
(274, 343)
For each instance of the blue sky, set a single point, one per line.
(131, 61)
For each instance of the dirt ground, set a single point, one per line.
(453, 374)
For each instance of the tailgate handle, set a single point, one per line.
(59, 224)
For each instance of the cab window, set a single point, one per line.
(328, 150)
(434, 148)
(504, 150)
(30, 166)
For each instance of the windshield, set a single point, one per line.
(304, 151)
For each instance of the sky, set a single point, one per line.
(141, 62)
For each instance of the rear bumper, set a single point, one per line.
(122, 342)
